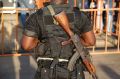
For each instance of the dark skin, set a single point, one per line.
(29, 43)
(87, 39)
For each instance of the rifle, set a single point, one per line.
(62, 19)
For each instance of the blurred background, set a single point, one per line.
(15, 63)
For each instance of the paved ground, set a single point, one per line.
(108, 67)
(17, 67)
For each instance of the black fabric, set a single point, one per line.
(60, 72)
(56, 50)
(50, 21)
(52, 29)
(39, 25)
(82, 22)
(34, 23)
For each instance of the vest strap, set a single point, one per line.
(50, 8)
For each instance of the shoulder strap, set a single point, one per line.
(50, 8)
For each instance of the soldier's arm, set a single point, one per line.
(30, 33)
(88, 38)
(87, 35)
(28, 43)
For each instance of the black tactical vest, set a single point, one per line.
(53, 29)
(53, 35)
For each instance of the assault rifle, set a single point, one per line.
(62, 19)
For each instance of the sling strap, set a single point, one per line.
(50, 8)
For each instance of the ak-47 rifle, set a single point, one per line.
(62, 19)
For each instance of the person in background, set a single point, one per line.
(71, 3)
(83, 5)
(99, 22)
(108, 5)
(25, 4)
(1, 5)
(116, 18)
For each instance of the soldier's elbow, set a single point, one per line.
(92, 43)
(26, 48)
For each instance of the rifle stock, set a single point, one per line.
(62, 19)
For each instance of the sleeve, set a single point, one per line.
(87, 26)
(31, 28)
(84, 23)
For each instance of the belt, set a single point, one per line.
(51, 59)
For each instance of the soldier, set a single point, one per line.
(50, 42)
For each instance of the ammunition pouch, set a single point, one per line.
(59, 71)
(55, 69)
(52, 48)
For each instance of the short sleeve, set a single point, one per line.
(32, 28)
(86, 26)
(83, 23)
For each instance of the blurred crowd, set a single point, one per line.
(106, 17)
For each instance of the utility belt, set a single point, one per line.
(54, 68)
(53, 61)
(52, 50)
(56, 57)
(52, 65)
